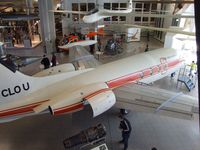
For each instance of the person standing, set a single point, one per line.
(99, 44)
(125, 127)
(193, 69)
(53, 60)
(148, 34)
(147, 48)
(45, 61)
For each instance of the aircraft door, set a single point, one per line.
(163, 66)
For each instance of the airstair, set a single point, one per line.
(185, 77)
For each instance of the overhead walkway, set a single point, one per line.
(150, 99)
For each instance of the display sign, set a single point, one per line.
(133, 34)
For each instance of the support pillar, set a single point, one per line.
(197, 23)
(29, 4)
(47, 23)
(67, 18)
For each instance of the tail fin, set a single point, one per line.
(13, 83)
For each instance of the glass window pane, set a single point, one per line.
(107, 5)
(137, 18)
(114, 18)
(75, 7)
(146, 7)
(83, 7)
(145, 18)
(81, 16)
(75, 17)
(91, 6)
(152, 19)
(115, 6)
(107, 19)
(154, 7)
(138, 7)
(123, 5)
(122, 18)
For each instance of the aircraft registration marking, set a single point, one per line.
(16, 90)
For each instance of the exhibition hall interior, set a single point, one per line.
(99, 75)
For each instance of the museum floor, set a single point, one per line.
(46, 132)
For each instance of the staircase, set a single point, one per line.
(183, 77)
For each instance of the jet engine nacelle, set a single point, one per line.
(101, 102)
(98, 95)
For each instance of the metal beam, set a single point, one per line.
(165, 2)
(197, 24)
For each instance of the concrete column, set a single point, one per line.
(29, 3)
(47, 23)
(67, 18)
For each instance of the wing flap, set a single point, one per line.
(148, 99)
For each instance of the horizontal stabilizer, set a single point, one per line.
(150, 99)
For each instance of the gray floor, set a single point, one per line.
(46, 132)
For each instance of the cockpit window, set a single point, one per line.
(8, 63)
(93, 11)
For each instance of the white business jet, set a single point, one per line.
(70, 91)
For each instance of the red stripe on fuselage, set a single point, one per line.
(20, 110)
(140, 74)
(96, 93)
(68, 109)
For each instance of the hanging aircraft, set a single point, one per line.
(101, 13)
(98, 14)
(70, 91)
(18, 61)
(115, 28)
(73, 40)
(17, 17)
(175, 30)
(21, 61)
